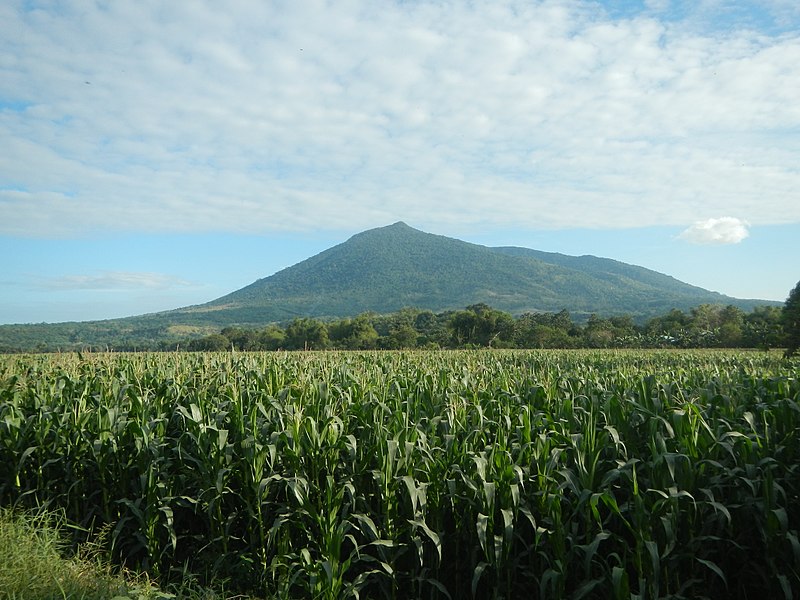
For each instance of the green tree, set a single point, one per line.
(240, 338)
(434, 329)
(763, 328)
(598, 333)
(354, 334)
(545, 330)
(306, 334)
(481, 325)
(271, 338)
(402, 335)
(791, 321)
(730, 334)
(211, 343)
(670, 329)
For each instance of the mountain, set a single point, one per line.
(388, 268)
(385, 269)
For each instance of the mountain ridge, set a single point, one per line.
(385, 269)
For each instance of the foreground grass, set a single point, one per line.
(36, 564)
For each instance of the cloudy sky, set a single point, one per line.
(159, 154)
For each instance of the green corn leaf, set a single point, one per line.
(477, 573)
(586, 588)
(481, 525)
(655, 558)
(413, 492)
(438, 585)
(434, 537)
(782, 518)
(368, 524)
(715, 568)
(489, 490)
(619, 582)
(786, 587)
(480, 465)
(508, 525)
(793, 540)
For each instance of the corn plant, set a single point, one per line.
(485, 474)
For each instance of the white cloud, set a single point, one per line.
(657, 5)
(114, 281)
(264, 116)
(725, 230)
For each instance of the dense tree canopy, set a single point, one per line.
(479, 325)
(791, 321)
(306, 334)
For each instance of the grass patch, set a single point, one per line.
(174, 330)
(35, 564)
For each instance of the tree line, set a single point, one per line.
(481, 326)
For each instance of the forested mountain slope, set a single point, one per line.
(387, 268)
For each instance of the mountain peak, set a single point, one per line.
(394, 227)
(387, 268)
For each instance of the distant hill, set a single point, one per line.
(385, 269)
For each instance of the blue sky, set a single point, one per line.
(157, 155)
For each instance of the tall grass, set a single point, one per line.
(419, 474)
(37, 565)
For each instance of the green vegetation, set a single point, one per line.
(705, 326)
(479, 325)
(383, 270)
(791, 321)
(487, 474)
(35, 565)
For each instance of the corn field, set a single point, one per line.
(475, 474)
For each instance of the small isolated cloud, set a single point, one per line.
(115, 280)
(725, 230)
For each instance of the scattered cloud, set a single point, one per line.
(265, 117)
(725, 230)
(657, 5)
(114, 281)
